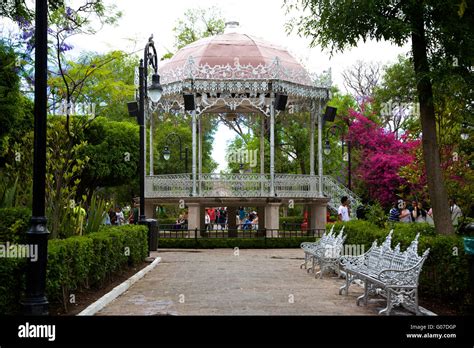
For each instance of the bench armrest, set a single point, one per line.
(356, 261)
(402, 277)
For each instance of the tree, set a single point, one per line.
(395, 97)
(382, 156)
(16, 138)
(197, 23)
(435, 29)
(112, 148)
(362, 78)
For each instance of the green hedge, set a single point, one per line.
(167, 221)
(242, 243)
(76, 263)
(291, 220)
(14, 222)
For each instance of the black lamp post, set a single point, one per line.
(167, 151)
(154, 92)
(35, 301)
(327, 149)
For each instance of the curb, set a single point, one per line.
(118, 290)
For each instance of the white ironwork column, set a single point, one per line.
(262, 153)
(194, 152)
(200, 151)
(311, 144)
(320, 148)
(151, 145)
(272, 145)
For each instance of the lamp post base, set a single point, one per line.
(37, 306)
(35, 301)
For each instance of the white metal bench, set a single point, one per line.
(309, 246)
(325, 253)
(387, 272)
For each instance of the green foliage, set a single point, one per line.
(105, 81)
(65, 164)
(14, 222)
(376, 215)
(181, 126)
(12, 273)
(291, 220)
(7, 197)
(242, 243)
(77, 263)
(96, 214)
(113, 152)
(198, 23)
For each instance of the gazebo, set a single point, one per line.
(235, 73)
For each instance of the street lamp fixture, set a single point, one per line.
(327, 148)
(155, 91)
(167, 151)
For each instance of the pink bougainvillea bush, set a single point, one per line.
(382, 155)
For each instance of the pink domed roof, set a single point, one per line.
(234, 50)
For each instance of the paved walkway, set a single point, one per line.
(219, 282)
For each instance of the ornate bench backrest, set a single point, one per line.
(376, 256)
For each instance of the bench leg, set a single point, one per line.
(312, 265)
(417, 308)
(365, 295)
(322, 267)
(389, 307)
(345, 287)
(305, 263)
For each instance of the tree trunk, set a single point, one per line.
(435, 179)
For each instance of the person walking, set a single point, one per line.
(343, 210)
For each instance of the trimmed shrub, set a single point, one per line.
(242, 243)
(77, 263)
(167, 221)
(292, 221)
(14, 222)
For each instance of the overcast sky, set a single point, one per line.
(261, 18)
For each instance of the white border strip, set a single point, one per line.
(118, 290)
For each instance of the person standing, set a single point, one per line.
(207, 221)
(456, 212)
(405, 213)
(394, 214)
(343, 211)
(119, 215)
(418, 214)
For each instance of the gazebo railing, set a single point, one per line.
(248, 185)
(335, 191)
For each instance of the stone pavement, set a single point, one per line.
(219, 282)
